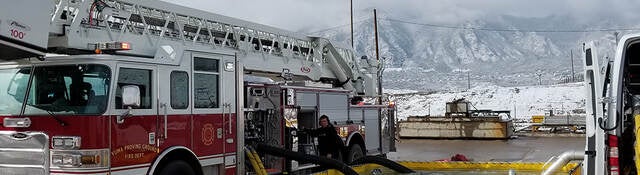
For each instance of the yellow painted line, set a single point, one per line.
(522, 166)
(462, 166)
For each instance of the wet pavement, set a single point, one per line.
(524, 149)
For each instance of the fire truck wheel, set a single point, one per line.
(177, 167)
(355, 153)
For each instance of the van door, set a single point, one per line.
(134, 128)
(595, 147)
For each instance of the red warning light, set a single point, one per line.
(125, 46)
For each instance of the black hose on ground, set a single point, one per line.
(322, 161)
(384, 162)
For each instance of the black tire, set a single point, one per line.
(177, 167)
(339, 156)
(355, 153)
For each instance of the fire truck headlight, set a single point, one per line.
(65, 160)
(56, 159)
(72, 160)
(80, 158)
(65, 142)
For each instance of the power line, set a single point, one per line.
(510, 30)
(480, 28)
(332, 28)
(339, 26)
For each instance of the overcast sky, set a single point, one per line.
(314, 15)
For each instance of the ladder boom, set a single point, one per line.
(82, 26)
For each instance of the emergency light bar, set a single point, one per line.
(113, 46)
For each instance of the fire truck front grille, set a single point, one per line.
(21, 170)
(23, 153)
(21, 157)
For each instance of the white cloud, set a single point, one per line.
(313, 15)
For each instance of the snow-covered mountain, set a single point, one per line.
(423, 57)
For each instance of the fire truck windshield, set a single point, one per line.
(63, 89)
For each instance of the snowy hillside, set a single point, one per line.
(426, 58)
(522, 101)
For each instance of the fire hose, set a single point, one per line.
(322, 161)
(256, 163)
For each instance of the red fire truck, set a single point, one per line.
(150, 87)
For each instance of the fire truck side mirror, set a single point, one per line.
(130, 99)
(131, 96)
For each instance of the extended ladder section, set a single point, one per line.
(157, 30)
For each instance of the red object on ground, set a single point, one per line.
(459, 157)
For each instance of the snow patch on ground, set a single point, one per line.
(522, 101)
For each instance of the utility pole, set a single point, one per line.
(515, 110)
(468, 80)
(539, 74)
(352, 24)
(375, 28)
(380, 66)
(429, 114)
(573, 78)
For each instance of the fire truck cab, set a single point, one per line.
(150, 87)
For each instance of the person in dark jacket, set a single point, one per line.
(329, 142)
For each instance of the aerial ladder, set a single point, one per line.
(161, 30)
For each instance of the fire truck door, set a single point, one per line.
(134, 127)
(213, 97)
(174, 115)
